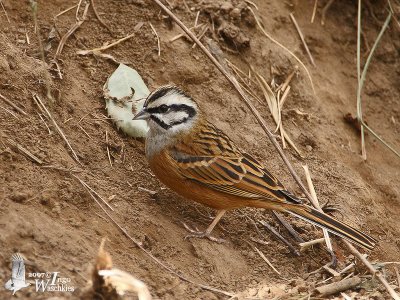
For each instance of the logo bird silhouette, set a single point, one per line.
(17, 280)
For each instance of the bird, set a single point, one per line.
(17, 280)
(200, 162)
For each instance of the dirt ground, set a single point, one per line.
(49, 217)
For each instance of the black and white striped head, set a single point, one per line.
(168, 110)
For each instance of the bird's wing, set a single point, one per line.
(18, 268)
(239, 175)
(209, 157)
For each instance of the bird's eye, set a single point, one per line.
(164, 108)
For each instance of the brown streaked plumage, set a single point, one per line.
(198, 161)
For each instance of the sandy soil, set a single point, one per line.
(48, 216)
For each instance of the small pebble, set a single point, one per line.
(226, 6)
(19, 197)
(253, 292)
(235, 14)
(302, 289)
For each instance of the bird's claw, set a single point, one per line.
(201, 234)
(329, 208)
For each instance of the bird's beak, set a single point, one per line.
(142, 115)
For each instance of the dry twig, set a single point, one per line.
(345, 296)
(305, 245)
(108, 150)
(41, 105)
(266, 260)
(100, 216)
(98, 17)
(325, 10)
(248, 91)
(237, 70)
(93, 191)
(26, 152)
(28, 41)
(9, 111)
(283, 98)
(6, 100)
(302, 38)
(345, 269)
(63, 169)
(275, 109)
(317, 270)
(314, 10)
(201, 34)
(152, 193)
(84, 131)
(5, 12)
(65, 11)
(285, 84)
(331, 271)
(77, 9)
(339, 286)
(79, 22)
(158, 38)
(261, 242)
(197, 18)
(96, 51)
(41, 118)
(315, 203)
(251, 3)
(245, 85)
(182, 34)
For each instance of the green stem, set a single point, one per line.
(361, 79)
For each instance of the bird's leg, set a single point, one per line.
(207, 232)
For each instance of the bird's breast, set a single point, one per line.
(163, 166)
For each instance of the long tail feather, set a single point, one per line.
(332, 225)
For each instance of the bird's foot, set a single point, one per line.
(329, 208)
(201, 234)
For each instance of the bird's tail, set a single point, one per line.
(332, 225)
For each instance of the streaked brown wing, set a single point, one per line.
(209, 157)
(240, 176)
(208, 141)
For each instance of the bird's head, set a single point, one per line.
(169, 110)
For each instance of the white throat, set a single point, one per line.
(158, 138)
